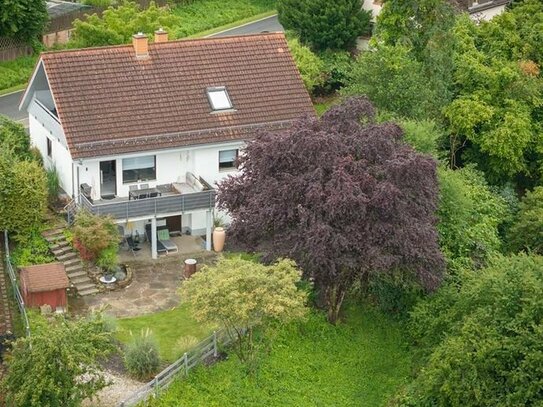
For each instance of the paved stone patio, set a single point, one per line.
(155, 284)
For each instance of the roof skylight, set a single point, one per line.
(219, 99)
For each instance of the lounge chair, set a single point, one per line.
(163, 236)
(160, 248)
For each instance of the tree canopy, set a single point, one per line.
(117, 25)
(23, 19)
(46, 369)
(482, 341)
(241, 295)
(325, 24)
(341, 195)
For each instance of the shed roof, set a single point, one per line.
(44, 277)
(109, 101)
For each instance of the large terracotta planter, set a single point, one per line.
(218, 239)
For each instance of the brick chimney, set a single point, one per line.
(141, 45)
(161, 35)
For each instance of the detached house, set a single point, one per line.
(143, 132)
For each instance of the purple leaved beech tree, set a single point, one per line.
(343, 196)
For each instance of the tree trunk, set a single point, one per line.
(334, 299)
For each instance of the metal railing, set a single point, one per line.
(15, 286)
(161, 205)
(182, 366)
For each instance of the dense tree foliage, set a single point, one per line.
(470, 214)
(483, 339)
(117, 25)
(24, 195)
(394, 80)
(308, 63)
(47, 368)
(14, 139)
(526, 232)
(241, 296)
(343, 196)
(23, 19)
(325, 24)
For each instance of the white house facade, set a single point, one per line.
(143, 133)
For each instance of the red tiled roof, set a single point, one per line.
(109, 101)
(44, 277)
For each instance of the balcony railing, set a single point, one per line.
(159, 206)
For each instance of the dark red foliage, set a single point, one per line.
(342, 196)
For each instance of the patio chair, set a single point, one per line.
(133, 246)
(163, 236)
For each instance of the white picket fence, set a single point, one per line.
(181, 367)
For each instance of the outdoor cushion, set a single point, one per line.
(163, 234)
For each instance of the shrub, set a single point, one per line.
(53, 184)
(396, 293)
(33, 249)
(309, 64)
(107, 260)
(141, 356)
(337, 71)
(423, 135)
(325, 24)
(483, 338)
(93, 234)
(526, 233)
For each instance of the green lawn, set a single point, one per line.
(175, 330)
(361, 362)
(202, 15)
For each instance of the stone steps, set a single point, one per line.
(64, 253)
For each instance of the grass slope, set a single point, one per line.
(170, 328)
(358, 363)
(202, 15)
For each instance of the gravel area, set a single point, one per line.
(112, 395)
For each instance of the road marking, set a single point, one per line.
(240, 26)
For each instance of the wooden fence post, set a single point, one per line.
(156, 387)
(186, 361)
(215, 351)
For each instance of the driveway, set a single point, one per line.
(9, 106)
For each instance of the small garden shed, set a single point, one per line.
(45, 284)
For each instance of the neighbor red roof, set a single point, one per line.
(109, 101)
(44, 277)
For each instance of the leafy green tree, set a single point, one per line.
(23, 19)
(394, 81)
(482, 339)
(424, 135)
(117, 25)
(495, 119)
(241, 296)
(325, 24)
(47, 368)
(24, 195)
(308, 63)
(470, 214)
(526, 233)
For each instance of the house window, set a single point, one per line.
(227, 159)
(219, 99)
(139, 169)
(49, 147)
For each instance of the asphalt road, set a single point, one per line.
(9, 104)
(270, 24)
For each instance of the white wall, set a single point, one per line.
(61, 158)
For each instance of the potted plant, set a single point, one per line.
(219, 235)
(107, 261)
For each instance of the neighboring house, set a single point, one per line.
(478, 10)
(142, 132)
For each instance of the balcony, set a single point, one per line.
(175, 199)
